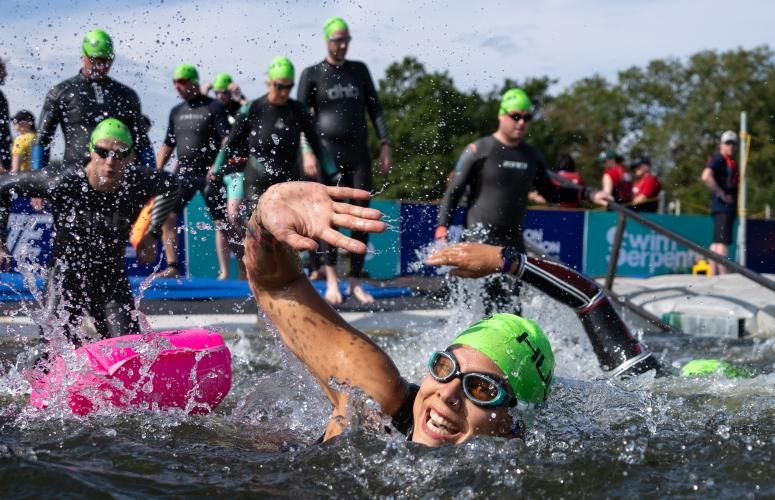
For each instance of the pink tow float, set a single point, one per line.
(186, 369)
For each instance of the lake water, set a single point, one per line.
(710, 437)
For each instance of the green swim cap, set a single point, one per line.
(514, 100)
(111, 129)
(707, 367)
(281, 67)
(520, 349)
(186, 72)
(97, 43)
(333, 25)
(222, 81)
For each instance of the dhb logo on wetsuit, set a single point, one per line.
(339, 91)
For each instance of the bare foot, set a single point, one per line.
(333, 295)
(170, 272)
(362, 295)
(223, 276)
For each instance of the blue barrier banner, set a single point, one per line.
(559, 233)
(30, 234)
(761, 246)
(418, 224)
(645, 252)
(383, 261)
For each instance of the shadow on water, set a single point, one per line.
(648, 437)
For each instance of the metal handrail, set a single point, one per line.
(625, 212)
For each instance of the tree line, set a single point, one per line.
(673, 110)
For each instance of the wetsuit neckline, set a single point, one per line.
(265, 98)
(196, 100)
(100, 81)
(338, 66)
(521, 142)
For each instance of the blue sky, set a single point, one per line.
(480, 43)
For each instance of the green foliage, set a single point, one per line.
(430, 122)
(672, 110)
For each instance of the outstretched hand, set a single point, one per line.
(600, 197)
(298, 213)
(468, 260)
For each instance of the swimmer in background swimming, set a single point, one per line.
(499, 363)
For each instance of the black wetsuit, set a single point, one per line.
(340, 96)
(78, 105)
(271, 135)
(232, 110)
(87, 274)
(499, 178)
(5, 134)
(196, 129)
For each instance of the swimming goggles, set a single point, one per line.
(483, 389)
(117, 154)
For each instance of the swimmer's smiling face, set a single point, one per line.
(444, 415)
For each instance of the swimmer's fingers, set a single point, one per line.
(358, 224)
(283, 234)
(337, 239)
(467, 273)
(362, 212)
(448, 256)
(297, 241)
(345, 193)
(470, 260)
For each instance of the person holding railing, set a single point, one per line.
(646, 187)
(617, 180)
(722, 177)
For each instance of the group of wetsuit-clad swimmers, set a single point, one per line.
(476, 385)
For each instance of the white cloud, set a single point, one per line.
(478, 43)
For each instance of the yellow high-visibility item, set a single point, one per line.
(701, 267)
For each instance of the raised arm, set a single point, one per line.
(457, 186)
(378, 119)
(312, 137)
(290, 217)
(5, 133)
(50, 118)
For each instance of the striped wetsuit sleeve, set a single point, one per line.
(167, 193)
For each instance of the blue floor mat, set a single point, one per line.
(12, 289)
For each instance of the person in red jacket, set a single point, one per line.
(646, 187)
(565, 168)
(617, 180)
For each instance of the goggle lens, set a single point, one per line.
(442, 367)
(521, 116)
(105, 153)
(282, 86)
(481, 388)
